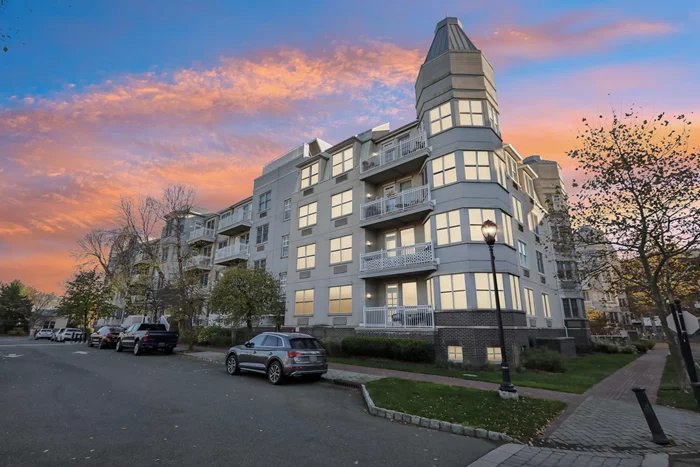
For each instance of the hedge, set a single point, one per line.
(409, 350)
(543, 359)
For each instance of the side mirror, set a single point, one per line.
(249, 344)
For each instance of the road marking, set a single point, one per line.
(11, 355)
(81, 352)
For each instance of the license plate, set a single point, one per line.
(161, 344)
(313, 359)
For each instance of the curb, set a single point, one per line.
(439, 425)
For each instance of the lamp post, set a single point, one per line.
(489, 230)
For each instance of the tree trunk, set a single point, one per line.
(673, 343)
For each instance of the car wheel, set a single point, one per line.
(90, 343)
(119, 348)
(101, 344)
(274, 373)
(232, 365)
(137, 348)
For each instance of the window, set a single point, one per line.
(476, 218)
(444, 171)
(453, 292)
(500, 171)
(285, 246)
(440, 118)
(471, 113)
(622, 302)
(529, 301)
(261, 234)
(222, 244)
(431, 292)
(164, 254)
(287, 209)
(507, 229)
(341, 204)
(493, 118)
(515, 292)
(306, 257)
(485, 295)
(448, 228)
(260, 264)
(513, 169)
(554, 202)
(309, 175)
(534, 223)
(427, 231)
(340, 299)
(409, 293)
(342, 162)
(341, 249)
(283, 282)
(476, 165)
(454, 353)
(204, 279)
(265, 201)
(272, 341)
(571, 307)
(304, 302)
(545, 306)
(529, 185)
(307, 215)
(540, 262)
(522, 254)
(494, 355)
(517, 210)
(566, 270)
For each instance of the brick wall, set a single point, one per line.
(475, 341)
(479, 318)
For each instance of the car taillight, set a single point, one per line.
(145, 336)
(292, 354)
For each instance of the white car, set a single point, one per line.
(69, 334)
(56, 332)
(43, 334)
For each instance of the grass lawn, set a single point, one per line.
(670, 393)
(582, 372)
(522, 419)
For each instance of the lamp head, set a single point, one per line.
(489, 230)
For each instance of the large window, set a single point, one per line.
(287, 209)
(517, 210)
(440, 118)
(444, 171)
(454, 353)
(309, 175)
(341, 204)
(261, 234)
(512, 168)
(471, 113)
(307, 215)
(306, 257)
(515, 292)
(340, 299)
(566, 270)
(507, 229)
(522, 254)
(529, 185)
(534, 223)
(448, 228)
(341, 249)
(540, 262)
(529, 301)
(571, 307)
(264, 201)
(285, 246)
(493, 118)
(342, 162)
(260, 264)
(485, 292)
(500, 172)
(453, 292)
(545, 306)
(476, 165)
(476, 219)
(304, 302)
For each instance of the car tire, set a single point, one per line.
(137, 348)
(90, 343)
(101, 345)
(232, 367)
(119, 347)
(275, 374)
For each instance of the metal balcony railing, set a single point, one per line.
(199, 261)
(202, 232)
(412, 255)
(235, 218)
(399, 149)
(230, 251)
(419, 316)
(389, 205)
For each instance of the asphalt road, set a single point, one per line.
(67, 404)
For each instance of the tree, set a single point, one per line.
(43, 306)
(640, 199)
(244, 295)
(15, 306)
(597, 321)
(87, 298)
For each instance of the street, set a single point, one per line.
(65, 404)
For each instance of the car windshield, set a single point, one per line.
(305, 343)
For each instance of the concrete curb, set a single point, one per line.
(439, 425)
(655, 460)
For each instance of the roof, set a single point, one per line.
(449, 36)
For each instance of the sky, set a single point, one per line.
(104, 99)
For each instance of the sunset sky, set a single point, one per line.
(103, 98)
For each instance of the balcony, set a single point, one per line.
(236, 223)
(202, 235)
(231, 254)
(410, 259)
(395, 161)
(406, 207)
(410, 317)
(198, 262)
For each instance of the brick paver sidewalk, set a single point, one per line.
(517, 455)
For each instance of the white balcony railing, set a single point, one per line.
(389, 205)
(230, 251)
(399, 149)
(412, 255)
(235, 218)
(202, 232)
(199, 261)
(419, 316)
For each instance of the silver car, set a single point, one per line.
(279, 355)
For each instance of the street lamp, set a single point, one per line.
(489, 230)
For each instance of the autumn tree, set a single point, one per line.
(639, 199)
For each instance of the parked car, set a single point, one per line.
(141, 337)
(55, 333)
(106, 336)
(69, 334)
(279, 355)
(43, 334)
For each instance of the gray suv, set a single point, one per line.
(279, 355)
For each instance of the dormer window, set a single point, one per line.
(309, 175)
(342, 162)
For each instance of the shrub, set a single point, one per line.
(188, 336)
(605, 346)
(544, 359)
(332, 348)
(213, 335)
(410, 350)
(643, 346)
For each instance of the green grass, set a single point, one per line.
(670, 393)
(522, 419)
(582, 372)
